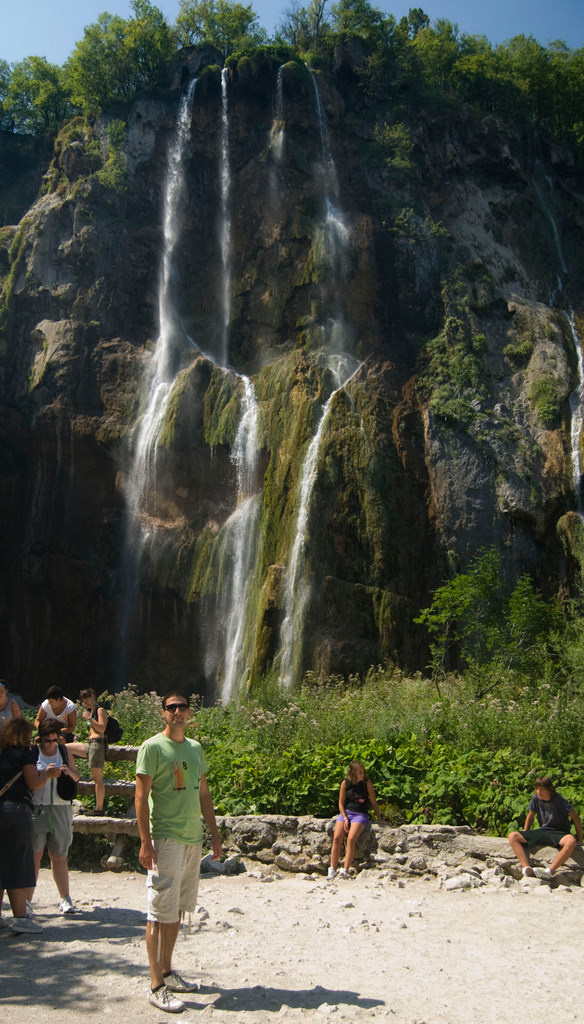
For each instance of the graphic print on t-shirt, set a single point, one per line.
(177, 772)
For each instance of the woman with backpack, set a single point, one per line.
(53, 812)
(95, 749)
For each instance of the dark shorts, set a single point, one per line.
(543, 837)
(16, 856)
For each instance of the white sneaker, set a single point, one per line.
(343, 873)
(164, 1000)
(331, 874)
(66, 906)
(544, 873)
(29, 910)
(25, 926)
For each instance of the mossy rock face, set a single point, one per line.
(184, 421)
(571, 533)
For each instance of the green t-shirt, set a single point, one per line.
(175, 770)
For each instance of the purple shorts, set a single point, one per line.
(356, 817)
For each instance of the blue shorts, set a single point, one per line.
(356, 818)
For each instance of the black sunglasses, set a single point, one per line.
(176, 707)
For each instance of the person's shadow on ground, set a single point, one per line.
(259, 998)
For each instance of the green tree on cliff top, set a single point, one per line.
(118, 58)
(227, 26)
(36, 99)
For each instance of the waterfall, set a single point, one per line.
(577, 395)
(166, 363)
(296, 594)
(577, 416)
(277, 130)
(546, 207)
(333, 238)
(225, 223)
(238, 537)
(241, 539)
(329, 170)
(333, 241)
(172, 337)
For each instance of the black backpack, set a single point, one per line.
(113, 730)
(66, 786)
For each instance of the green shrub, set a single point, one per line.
(545, 396)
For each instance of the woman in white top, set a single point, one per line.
(52, 816)
(60, 709)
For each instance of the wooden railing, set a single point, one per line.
(119, 828)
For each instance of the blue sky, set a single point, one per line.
(50, 28)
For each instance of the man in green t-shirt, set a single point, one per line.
(171, 795)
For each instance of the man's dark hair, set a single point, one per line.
(175, 693)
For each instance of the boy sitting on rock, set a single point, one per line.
(553, 813)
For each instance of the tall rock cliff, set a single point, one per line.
(368, 380)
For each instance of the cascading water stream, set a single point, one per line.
(172, 338)
(335, 237)
(344, 369)
(577, 417)
(240, 543)
(334, 240)
(277, 130)
(538, 176)
(170, 344)
(238, 536)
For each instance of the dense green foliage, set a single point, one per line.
(455, 760)
(409, 62)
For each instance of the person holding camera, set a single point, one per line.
(95, 749)
(53, 811)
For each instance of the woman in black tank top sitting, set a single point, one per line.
(355, 797)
